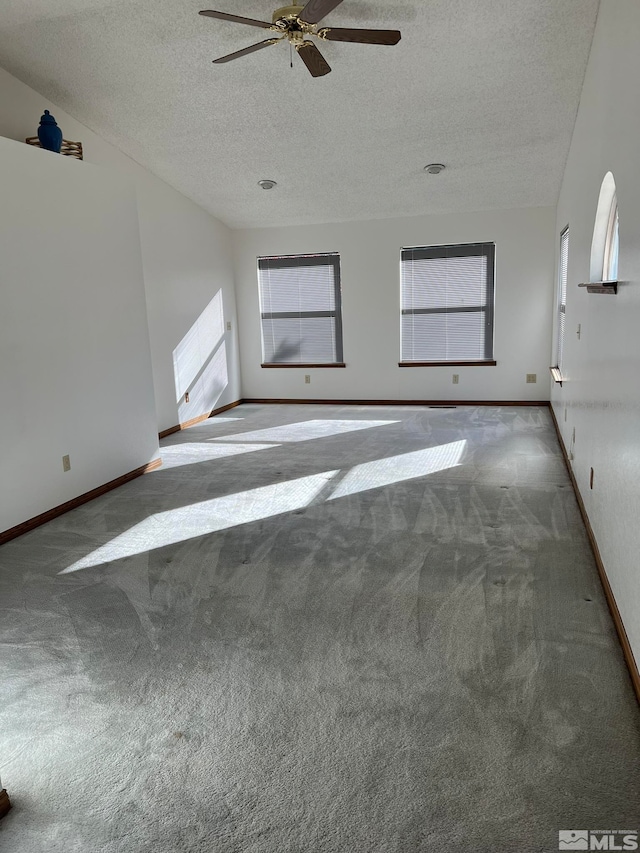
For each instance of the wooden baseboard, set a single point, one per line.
(5, 803)
(266, 400)
(50, 514)
(627, 651)
(38, 520)
(198, 420)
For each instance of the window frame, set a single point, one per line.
(298, 262)
(484, 249)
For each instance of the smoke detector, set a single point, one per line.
(267, 184)
(434, 168)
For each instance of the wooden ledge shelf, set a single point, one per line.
(447, 363)
(609, 287)
(276, 364)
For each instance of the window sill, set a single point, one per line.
(283, 364)
(557, 376)
(447, 363)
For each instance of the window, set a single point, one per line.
(300, 311)
(563, 269)
(612, 244)
(447, 304)
(605, 245)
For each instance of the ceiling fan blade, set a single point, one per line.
(313, 59)
(360, 36)
(244, 51)
(224, 16)
(315, 10)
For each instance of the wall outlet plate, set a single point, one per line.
(456, 378)
(532, 378)
(228, 325)
(307, 379)
(66, 463)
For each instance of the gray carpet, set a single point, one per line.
(318, 629)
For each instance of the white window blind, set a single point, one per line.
(300, 309)
(562, 293)
(447, 303)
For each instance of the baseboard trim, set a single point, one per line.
(627, 651)
(267, 400)
(5, 803)
(50, 514)
(186, 424)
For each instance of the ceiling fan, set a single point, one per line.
(297, 23)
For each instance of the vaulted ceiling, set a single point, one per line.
(489, 88)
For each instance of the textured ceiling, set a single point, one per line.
(490, 88)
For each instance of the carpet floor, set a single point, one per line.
(318, 629)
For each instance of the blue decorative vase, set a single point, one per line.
(49, 133)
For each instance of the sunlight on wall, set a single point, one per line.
(303, 431)
(200, 519)
(208, 387)
(395, 469)
(188, 522)
(190, 453)
(198, 345)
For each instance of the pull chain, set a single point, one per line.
(291, 54)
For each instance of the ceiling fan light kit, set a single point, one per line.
(297, 24)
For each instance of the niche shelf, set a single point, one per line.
(610, 287)
(69, 149)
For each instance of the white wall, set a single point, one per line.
(601, 393)
(75, 366)
(370, 264)
(186, 257)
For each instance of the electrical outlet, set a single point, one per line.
(456, 378)
(532, 378)
(186, 396)
(66, 463)
(228, 325)
(307, 379)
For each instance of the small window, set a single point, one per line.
(300, 310)
(605, 246)
(612, 244)
(563, 270)
(447, 304)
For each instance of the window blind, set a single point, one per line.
(447, 303)
(300, 309)
(562, 293)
